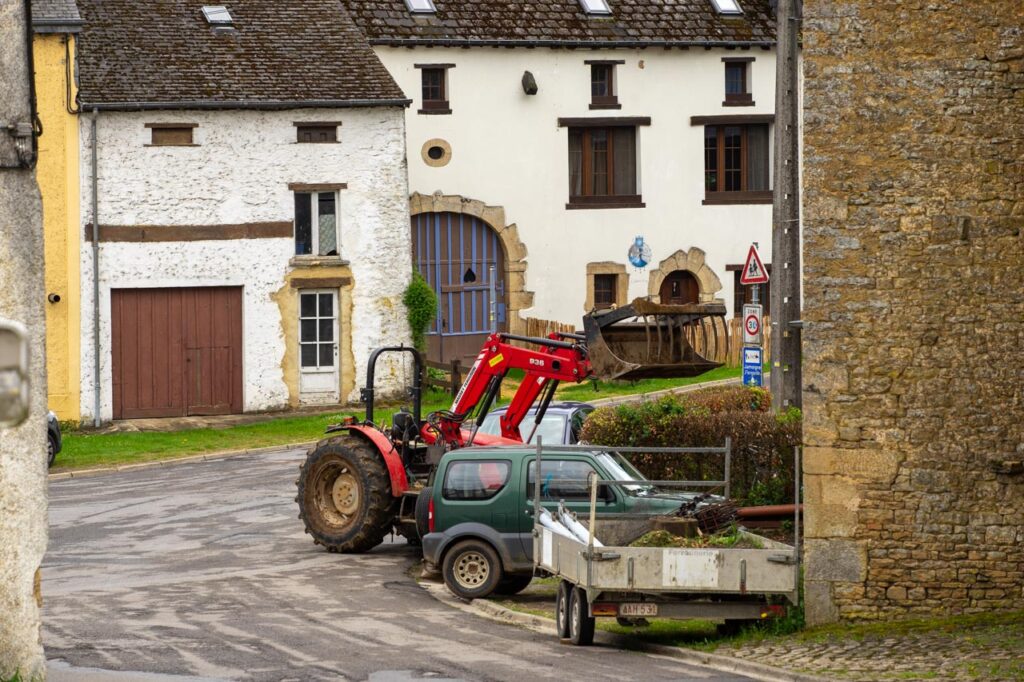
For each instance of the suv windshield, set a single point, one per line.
(551, 428)
(619, 468)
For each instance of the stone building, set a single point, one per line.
(252, 205)
(913, 192)
(545, 137)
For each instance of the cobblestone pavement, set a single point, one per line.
(981, 648)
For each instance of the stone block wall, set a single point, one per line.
(913, 191)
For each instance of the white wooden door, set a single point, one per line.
(318, 346)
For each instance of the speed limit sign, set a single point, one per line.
(752, 325)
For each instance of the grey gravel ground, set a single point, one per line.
(202, 569)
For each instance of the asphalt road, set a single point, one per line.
(202, 570)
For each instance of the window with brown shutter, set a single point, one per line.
(603, 88)
(736, 163)
(171, 134)
(434, 88)
(602, 165)
(317, 132)
(605, 287)
(737, 82)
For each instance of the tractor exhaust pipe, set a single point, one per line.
(647, 340)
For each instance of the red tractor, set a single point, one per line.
(361, 483)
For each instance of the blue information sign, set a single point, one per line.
(752, 366)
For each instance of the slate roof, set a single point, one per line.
(55, 16)
(563, 22)
(283, 54)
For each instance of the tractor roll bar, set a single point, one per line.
(417, 387)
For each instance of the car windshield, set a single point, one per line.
(551, 428)
(619, 468)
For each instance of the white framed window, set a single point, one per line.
(316, 223)
(318, 337)
(595, 6)
(727, 6)
(421, 6)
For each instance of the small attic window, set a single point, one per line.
(727, 6)
(217, 15)
(595, 6)
(421, 6)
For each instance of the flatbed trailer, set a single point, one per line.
(732, 585)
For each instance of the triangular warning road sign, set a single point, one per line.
(753, 269)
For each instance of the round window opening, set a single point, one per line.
(436, 152)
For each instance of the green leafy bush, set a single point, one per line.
(762, 442)
(421, 308)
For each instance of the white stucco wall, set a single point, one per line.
(238, 173)
(507, 150)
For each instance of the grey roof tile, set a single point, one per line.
(289, 51)
(563, 21)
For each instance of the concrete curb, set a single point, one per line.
(727, 664)
(209, 456)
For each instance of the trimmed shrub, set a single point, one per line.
(762, 442)
(421, 308)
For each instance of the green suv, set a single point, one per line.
(476, 519)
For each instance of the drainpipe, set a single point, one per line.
(95, 278)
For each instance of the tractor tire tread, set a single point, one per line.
(380, 506)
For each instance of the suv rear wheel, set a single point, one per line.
(51, 450)
(472, 569)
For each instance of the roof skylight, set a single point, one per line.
(595, 6)
(421, 6)
(217, 15)
(727, 6)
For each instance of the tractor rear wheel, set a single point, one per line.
(345, 496)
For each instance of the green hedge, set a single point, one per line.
(762, 442)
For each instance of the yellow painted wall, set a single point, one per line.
(57, 175)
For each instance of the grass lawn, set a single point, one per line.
(82, 450)
(594, 390)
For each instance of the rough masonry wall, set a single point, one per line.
(914, 307)
(238, 172)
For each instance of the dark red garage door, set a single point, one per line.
(176, 352)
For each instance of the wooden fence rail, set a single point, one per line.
(451, 383)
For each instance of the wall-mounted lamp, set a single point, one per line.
(529, 83)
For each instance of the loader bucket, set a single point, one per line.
(646, 340)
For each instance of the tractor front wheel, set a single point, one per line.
(345, 496)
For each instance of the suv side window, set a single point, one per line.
(563, 479)
(576, 426)
(475, 479)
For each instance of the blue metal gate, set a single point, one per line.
(455, 252)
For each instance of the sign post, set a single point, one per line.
(754, 274)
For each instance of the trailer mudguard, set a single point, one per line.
(392, 458)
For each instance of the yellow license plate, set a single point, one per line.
(638, 609)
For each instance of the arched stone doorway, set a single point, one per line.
(679, 287)
(695, 272)
(455, 240)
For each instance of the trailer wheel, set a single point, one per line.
(562, 609)
(472, 569)
(581, 623)
(345, 496)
